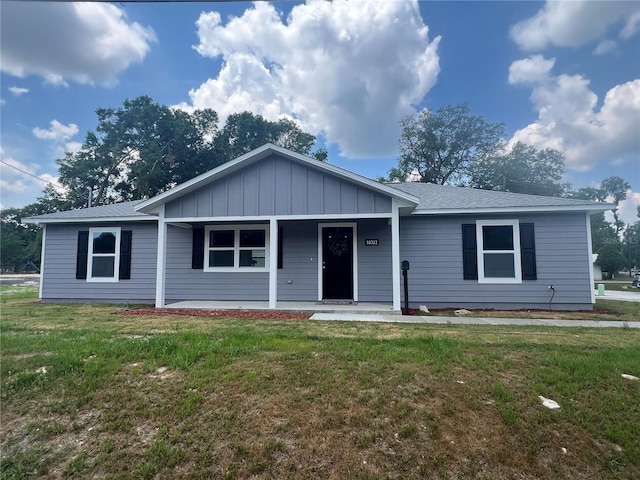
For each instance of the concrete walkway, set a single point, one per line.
(540, 322)
(615, 295)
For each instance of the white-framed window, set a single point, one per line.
(104, 254)
(498, 244)
(236, 247)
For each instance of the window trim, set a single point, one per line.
(236, 247)
(517, 255)
(115, 255)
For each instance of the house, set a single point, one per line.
(274, 226)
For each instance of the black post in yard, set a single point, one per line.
(405, 274)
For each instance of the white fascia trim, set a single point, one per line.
(258, 154)
(267, 218)
(36, 221)
(489, 210)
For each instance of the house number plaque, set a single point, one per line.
(371, 242)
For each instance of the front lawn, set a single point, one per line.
(88, 393)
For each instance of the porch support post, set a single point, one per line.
(161, 259)
(44, 243)
(590, 256)
(395, 253)
(273, 263)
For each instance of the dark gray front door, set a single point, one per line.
(337, 263)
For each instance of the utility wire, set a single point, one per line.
(31, 175)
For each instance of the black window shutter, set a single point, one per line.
(469, 252)
(82, 254)
(197, 252)
(125, 255)
(528, 251)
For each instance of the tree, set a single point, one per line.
(602, 232)
(137, 151)
(143, 148)
(523, 169)
(610, 259)
(441, 146)
(245, 131)
(615, 188)
(631, 245)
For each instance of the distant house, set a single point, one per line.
(274, 226)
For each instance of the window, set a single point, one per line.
(104, 254)
(231, 247)
(498, 251)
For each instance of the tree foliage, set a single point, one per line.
(610, 259)
(441, 146)
(522, 169)
(144, 148)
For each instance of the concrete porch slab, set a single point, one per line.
(361, 308)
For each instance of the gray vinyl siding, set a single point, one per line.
(374, 263)
(433, 247)
(59, 283)
(185, 283)
(277, 186)
(298, 277)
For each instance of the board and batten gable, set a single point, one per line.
(433, 246)
(278, 186)
(59, 282)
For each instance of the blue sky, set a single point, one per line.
(564, 75)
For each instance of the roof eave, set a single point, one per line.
(253, 156)
(535, 209)
(46, 221)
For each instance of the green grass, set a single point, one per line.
(194, 397)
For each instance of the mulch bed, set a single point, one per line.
(162, 312)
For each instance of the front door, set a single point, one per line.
(337, 263)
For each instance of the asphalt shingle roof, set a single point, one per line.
(122, 210)
(442, 197)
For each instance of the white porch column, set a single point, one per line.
(590, 256)
(44, 242)
(161, 259)
(395, 253)
(273, 263)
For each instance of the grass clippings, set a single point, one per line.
(168, 396)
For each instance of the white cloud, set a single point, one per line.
(57, 132)
(574, 23)
(569, 121)
(348, 69)
(17, 91)
(83, 42)
(17, 182)
(627, 209)
(605, 46)
(632, 26)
